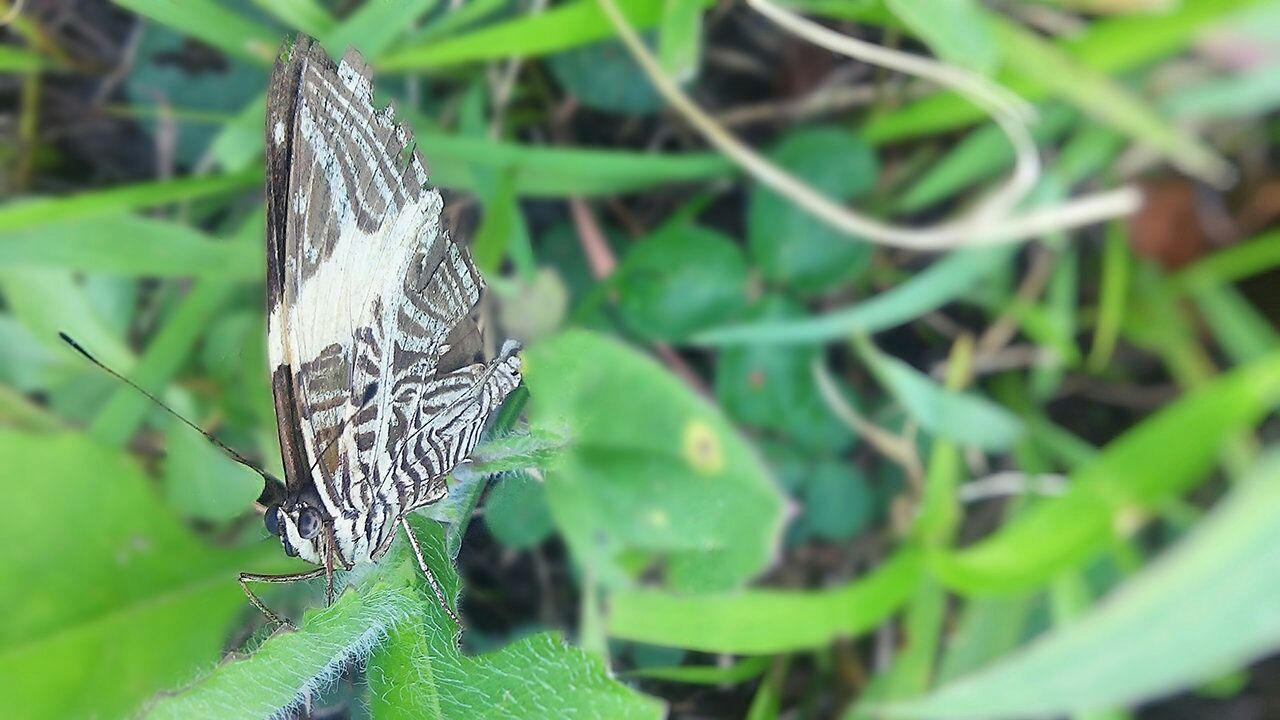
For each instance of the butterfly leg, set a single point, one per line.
(246, 578)
(426, 571)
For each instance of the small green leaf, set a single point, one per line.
(516, 511)
(1208, 604)
(837, 501)
(790, 245)
(772, 387)
(967, 418)
(604, 76)
(654, 471)
(680, 280)
(957, 31)
(759, 622)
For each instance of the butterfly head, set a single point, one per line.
(300, 527)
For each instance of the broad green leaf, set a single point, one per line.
(102, 571)
(1151, 463)
(653, 471)
(957, 31)
(213, 23)
(1206, 605)
(200, 480)
(1109, 46)
(604, 76)
(941, 283)
(772, 388)
(26, 213)
(790, 245)
(680, 38)
(562, 27)
(679, 280)
(1108, 101)
(419, 672)
(759, 622)
(965, 417)
(128, 244)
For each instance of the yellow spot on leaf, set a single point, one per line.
(701, 448)
(658, 518)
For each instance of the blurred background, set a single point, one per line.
(772, 461)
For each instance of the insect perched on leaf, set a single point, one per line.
(378, 371)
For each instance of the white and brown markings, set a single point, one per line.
(378, 373)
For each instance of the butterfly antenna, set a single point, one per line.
(225, 448)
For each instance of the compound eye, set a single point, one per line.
(272, 519)
(308, 523)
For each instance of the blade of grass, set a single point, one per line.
(1112, 293)
(26, 213)
(18, 60)
(1097, 95)
(308, 16)
(1162, 456)
(1206, 605)
(558, 28)
(213, 23)
(680, 38)
(939, 284)
(1109, 46)
(759, 622)
(130, 245)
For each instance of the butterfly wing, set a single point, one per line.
(373, 305)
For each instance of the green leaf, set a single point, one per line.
(980, 155)
(679, 280)
(28, 213)
(419, 672)
(837, 501)
(562, 27)
(1108, 46)
(1206, 605)
(1108, 101)
(308, 16)
(604, 76)
(291, 663)
(957, 31)
(790, 245)
(654, 470)
(18, 60)
(1164, 455)
(939, 284)
(967, 418)
(1249, 94)
(680, 38)
(130, 244)
(516, 511)
(374, 26)
(772, 387)
(759, 622)
(95, 558)
(213, 23)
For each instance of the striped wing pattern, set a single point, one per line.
(379, 377)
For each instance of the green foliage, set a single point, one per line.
(652, 469)
(680, 280)
(721, 500)
(112, 559)
(789, 244)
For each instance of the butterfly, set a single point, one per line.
(378, 371)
